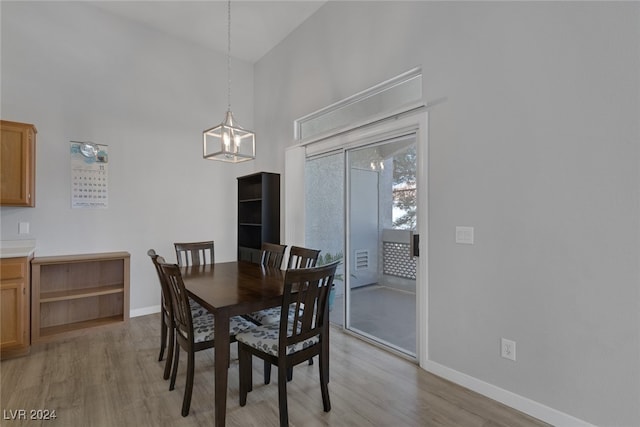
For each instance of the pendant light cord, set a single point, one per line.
(229, 55)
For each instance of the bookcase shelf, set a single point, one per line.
(258, 213)
(69, 328)
(80, 293)
(76, 292)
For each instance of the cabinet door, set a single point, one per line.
(12, 327)
(17, 164)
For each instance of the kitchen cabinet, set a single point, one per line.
(14, 310)
(17, 164)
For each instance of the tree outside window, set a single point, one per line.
(404, 189)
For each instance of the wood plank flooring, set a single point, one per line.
(112, 378)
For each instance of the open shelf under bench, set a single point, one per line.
(66, 329)
(72, 293)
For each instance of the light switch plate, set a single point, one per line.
(464, 235)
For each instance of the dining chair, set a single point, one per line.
(300, 257)
(194, 253)
(166, 316)
(167, 339)
(192, 334)
(272, 254)
(292, 340)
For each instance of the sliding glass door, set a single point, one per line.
(361, 208)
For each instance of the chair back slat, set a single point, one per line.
(272, 254)
(300, 257)
(307, 292)
(195, 253)
(179, 298)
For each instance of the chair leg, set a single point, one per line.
(245, 368)
(163, 337)
(170, 350)
(324, 380)
(186, 401)
(249, 372)
(267, 372)
(282, 395)
(289, 373)
(310, 361)
(174, 371)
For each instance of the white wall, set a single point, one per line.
(537, 148)
(79, 73)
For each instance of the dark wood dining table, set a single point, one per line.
(231, 289)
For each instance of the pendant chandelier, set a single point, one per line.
(228, 142)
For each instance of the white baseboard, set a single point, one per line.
(520, 403)
(144, 311)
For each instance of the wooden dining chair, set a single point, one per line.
(300, 257)
(272, 254)
(195, 253)
(292, 340)
(167, 339)
(191, 333)
(166, 316)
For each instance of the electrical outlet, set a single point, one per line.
(23, 228)
(508, 349)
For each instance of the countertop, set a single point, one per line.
(17, 248)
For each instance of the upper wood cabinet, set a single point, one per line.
(17, 164)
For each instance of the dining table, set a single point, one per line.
(231, 289)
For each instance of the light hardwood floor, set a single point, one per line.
(111, 377)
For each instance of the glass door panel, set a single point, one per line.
(382, 216)
(324, 220)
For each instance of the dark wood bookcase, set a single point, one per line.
(258, 213)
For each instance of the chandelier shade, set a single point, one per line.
(228, 142)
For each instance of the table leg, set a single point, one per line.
(221, 359)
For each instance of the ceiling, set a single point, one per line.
(256, 26)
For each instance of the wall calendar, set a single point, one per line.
(89, 175)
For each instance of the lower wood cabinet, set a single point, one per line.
(76, 292)
(14, 312)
